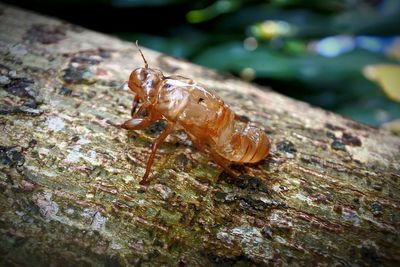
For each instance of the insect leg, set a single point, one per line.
(138, 112)
(215, 156)
(134, 104)
(137, 123)
(223, 163)
(169, 129)
(243, 119)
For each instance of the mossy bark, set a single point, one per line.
(328, 193)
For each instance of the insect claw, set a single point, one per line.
(142, 189)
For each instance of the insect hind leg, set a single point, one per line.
(224, 164)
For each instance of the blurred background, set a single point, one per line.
(341, 55)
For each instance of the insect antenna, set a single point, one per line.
(145, 62)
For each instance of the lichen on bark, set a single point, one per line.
(328, 193)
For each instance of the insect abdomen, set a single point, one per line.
(211, 123)
(247, 144)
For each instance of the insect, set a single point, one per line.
(210, 124)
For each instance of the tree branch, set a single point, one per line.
(69, 180)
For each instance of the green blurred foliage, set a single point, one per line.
(274, 43)
(283, 56)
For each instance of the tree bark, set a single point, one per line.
(327, 194)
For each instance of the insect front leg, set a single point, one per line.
(137, 123)
(134, 105)
(136, 113)
(168, 130)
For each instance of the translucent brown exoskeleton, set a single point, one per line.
(210, 124)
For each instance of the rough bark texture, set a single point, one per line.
(328, 194)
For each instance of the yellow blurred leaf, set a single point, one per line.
(271, 29)
(387, 76)
(393, 126)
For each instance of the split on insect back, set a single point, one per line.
(212, 126)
